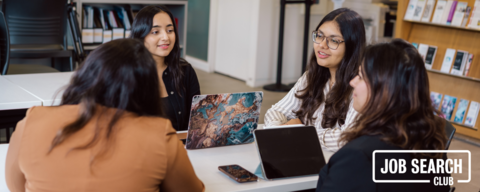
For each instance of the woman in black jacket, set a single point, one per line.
(155, 26)
(392, 95)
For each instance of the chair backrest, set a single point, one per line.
(450, 130)
(35, 22)
(4, 45)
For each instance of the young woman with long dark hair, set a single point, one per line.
(155, 26)
(108, 134)
(392, 95)
(321, 97)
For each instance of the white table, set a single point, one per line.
(14, 97)
(206, 162)
(44, 86)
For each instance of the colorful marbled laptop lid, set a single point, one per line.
(223, 119)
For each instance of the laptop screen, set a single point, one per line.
(289, 152)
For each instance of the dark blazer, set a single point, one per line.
(350, 169)
(182, 102)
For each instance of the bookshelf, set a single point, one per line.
(446, 36)
(177, 7)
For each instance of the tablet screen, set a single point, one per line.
(289, 152)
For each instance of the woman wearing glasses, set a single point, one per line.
(155, 26)
(321, 97)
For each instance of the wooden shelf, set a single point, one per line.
(452, 75)
(444, 25)
(463, 125)
(446, 37)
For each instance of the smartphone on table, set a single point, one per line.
(238, 173)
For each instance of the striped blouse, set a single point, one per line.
(283, 111)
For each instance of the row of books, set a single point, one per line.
(447, 105)
(449, 12)
(102, 25)
(456, 62)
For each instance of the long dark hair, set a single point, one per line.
(141, 27)
(119, 74)
(398, 107)
(338, 99)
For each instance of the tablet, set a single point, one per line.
(289, 152)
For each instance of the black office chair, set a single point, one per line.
(5, 65)
(37, 29)
(450, 130)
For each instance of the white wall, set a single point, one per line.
(243, 40)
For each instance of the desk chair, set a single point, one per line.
(5, 65)
(450, 130)
(37, 29)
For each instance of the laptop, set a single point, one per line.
(288, 152)
(223, 119)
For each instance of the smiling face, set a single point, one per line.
(327, 57)
(360, 91)
(161, 39)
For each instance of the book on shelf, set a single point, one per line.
(469, 64)
(439, 9)
(415, 45)
(417, 13)
(461, 111)
(448, 60)
(448, 105)
(446, 12)
(467, 15)
(472, 114)
(427, 12)
(459, 13)
(474, 21)
(430, 57)
(422, 49)
(459, 63)
(410, 9)
(452, 12)
(436, 99)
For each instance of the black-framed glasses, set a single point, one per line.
(332, 42)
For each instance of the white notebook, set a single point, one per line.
(427, 12)
(459, 13)
(446, 12)
(439, 9)
(423, 49)
(410, 9)
(417, 13)
(472, 114)
(448, 60)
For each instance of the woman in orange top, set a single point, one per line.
(108, 134)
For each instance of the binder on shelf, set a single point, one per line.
(98, 27)
(459, 63)
(459, 14)
(469, 64)
(87, 36)
(452, 11)
(117, 32)
(410, 9)
(461, 111)
(430, 57)
(446, 12)
(107, 29)
(472, 114)
(427, 13)
(422, 49)
(417, 13)
(439, 9)
(448, 60)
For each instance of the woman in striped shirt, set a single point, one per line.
(321, 97)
